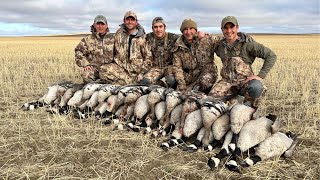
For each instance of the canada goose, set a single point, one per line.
(173, 98)
(54, 91)
(76, 99)
(275, 145)
(197, 144)
(89, 89)
(221, 126)
(159, 110)
(213, 162)
(93, 101)
(63, 108)
(105, 91)
(105, 108)
(131, 97)
(211, 110)
(193, 124)
(121, 94)
(190, 104)
(141, 109)
(252, 133)
(157, 94)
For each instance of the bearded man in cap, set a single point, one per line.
(237, 52)
(95, 50)
(132, 56)
(193, 59)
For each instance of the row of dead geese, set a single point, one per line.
(161, 111)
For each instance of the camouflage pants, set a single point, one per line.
(234, 72)
(156, 75)
(234, 69)
(89, 75)
(152, 76)
(253, 91)
(114, 74)
(205, 82)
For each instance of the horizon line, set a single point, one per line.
(84, 34)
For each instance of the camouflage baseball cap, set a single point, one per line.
(229, 19)
(100, 18)
(130, 14)
(158, 20)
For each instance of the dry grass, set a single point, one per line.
(37, 145)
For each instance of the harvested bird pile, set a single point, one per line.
(190, 120)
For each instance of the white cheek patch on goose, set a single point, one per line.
(249, 161)
(26, 105)
(31, 107)
(232, 163)
(148, 129)
(216, 161)
(175, 141)
(192, 146)
(210, 148)
(165, 144)
(120, 127)
(163, 133)
(232, 146)
(130, 125)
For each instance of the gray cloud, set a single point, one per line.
(76, 16)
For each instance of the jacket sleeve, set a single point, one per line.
(81, 53)
(178, 72)
(214, 40)
(147, 56)
(207, 64)
(269, 57)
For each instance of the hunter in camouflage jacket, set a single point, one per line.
(95, 50)
(195, 66)
(132, 54)
(162, 54)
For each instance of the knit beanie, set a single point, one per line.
(188, 23)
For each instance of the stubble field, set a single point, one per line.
(39, 145)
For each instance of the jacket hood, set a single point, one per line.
(245, 37)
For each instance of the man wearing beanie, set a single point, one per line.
(95, 50)
(132, 56)
(237, 52)
(194, 66)
(161, 43)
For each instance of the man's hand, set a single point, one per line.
(139, 78)
(88, 68)
(251, 78)
(202, 34)
(181, 130)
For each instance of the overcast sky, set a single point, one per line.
(48, 17)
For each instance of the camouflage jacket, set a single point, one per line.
(246, 48)
(95, 50)
(162, 49)
(192, 63)
(135, 59)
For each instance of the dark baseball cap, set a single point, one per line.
(229, 19)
